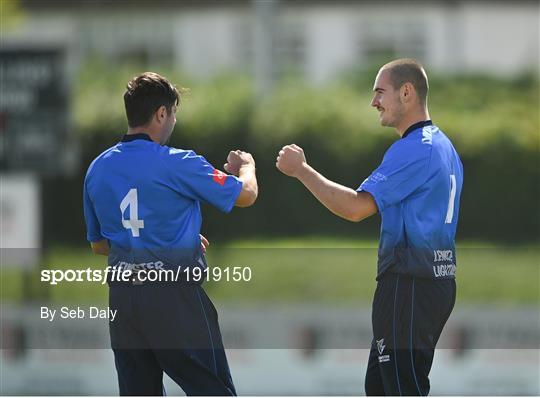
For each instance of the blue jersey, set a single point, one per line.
(145, 198)
(417, 189)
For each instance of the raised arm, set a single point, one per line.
(242, 165)
(340, 200)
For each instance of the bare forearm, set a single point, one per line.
(250, 188)
(340, 200)
(337, 198)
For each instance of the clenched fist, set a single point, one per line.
(291, 160)
(236, 160)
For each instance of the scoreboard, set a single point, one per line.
(34, 112)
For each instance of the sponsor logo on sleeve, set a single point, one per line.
(219, 177)
(378, 177)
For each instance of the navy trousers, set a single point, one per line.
(408, 316)
(171, 328)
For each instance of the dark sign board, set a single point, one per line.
(33, 110)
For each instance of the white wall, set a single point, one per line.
(469, 36)
(206, 42)
(501, 38)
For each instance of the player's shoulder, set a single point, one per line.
(435, 138)
(184, 156)
(99, 159)
(182, 159)
(423, 137)
(444, 148)
(417, 144)
(177, 153)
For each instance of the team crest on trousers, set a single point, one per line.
(380, 347)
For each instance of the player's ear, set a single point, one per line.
(161, 114)
(406, 92)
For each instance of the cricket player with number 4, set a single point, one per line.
(416, 189)
(142, 207)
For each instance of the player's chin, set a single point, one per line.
(384, 122)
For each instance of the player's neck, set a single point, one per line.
(144, 130)
(411, 119)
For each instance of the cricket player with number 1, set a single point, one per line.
(416, 189)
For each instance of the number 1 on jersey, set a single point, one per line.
(133, 222)
(451, 200)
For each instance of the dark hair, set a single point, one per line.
(145, 94)
(407, 70)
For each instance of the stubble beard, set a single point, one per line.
(167, 137)
(396, 117)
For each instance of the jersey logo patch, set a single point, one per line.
(380, 346)
(378, 177)
(427, 134)
(219, 177)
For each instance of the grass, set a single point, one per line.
(311, 269)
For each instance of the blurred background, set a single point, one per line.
(263, 74)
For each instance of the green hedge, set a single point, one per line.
(493, 123)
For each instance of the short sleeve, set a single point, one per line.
(403, 170)
(93, 228)
(194, 177)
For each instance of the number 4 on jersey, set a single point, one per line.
(133, 223)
